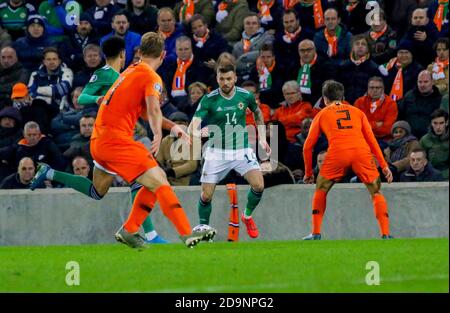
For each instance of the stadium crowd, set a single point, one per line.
(392, 57)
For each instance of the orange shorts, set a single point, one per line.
(127, 158)
(362, 162)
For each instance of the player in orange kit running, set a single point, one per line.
(134, 94)
(352, 145)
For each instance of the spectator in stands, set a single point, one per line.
(438, 13)
(10, 126)
(287, 41)
(380, 109)
(14, 15)
(382, 39)
(402, 144)
(208, 44)
(178, 170)
(92, 57)
(421, 36)
(420, 170)
(196, 91)
(101, 16)
(184, 10)
(5, 38)
(61, 17)
(435, 142)
(230, 19)
(80, 142)
(179, 74)
(120, 26)
(52, 82)
(270, 76)
(34, 145)
(293, 110)
(439, 68)
(246, 51)
(419, 103)
(355, 15)
(73, 46)
(30, 48)
(65, 125)
(142, 16)
(314, 70)
(399, 14)
(11, 72)
(22, 178)
(81, 167)
(400, 73)
(333, 41)
(36, 110)
(310, 12)
(355, 72)
(170, 30)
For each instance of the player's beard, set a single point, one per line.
(227, 90)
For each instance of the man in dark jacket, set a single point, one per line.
(22, 178)
(435, 143)
(186, 69)
(421, 35)
(354, 16)
(287, 41)
(11, 72)
(10, 130)
(30, 48)
(382, 40)
(72, 48)
(208, 44)
(355, 73)
(313, 72)
(34, 145)
(418, 105)
(420, 169)
(92, 61)
(142, 18)
(333, 41)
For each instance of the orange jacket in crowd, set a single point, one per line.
(385, 111)
(291, 116)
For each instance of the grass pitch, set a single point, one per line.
(405, 265)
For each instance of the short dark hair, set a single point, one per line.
(49, 50)
(88, 115)
(322, 152)
(113, 46)
(290, 11)
(267, 46)
(251, 14)
(120, 12)
(250, 83)
(226, 67)
(197, 17)
(415, 150)
(359, 37)
(442, 40)
(333, 90)
(439, 113)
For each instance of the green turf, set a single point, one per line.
(406, 265)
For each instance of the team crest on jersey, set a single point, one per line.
(158, 87)
(23, 15)
(93, 78)
(241, 106)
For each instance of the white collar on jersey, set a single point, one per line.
(230, 97)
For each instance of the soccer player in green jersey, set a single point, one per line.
(114, 50)
(228, 147)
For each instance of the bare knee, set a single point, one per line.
(206, 196)
(258, 186)
(374, 187)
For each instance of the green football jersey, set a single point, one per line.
(227, 118)
(98, 85)
(14, 19)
